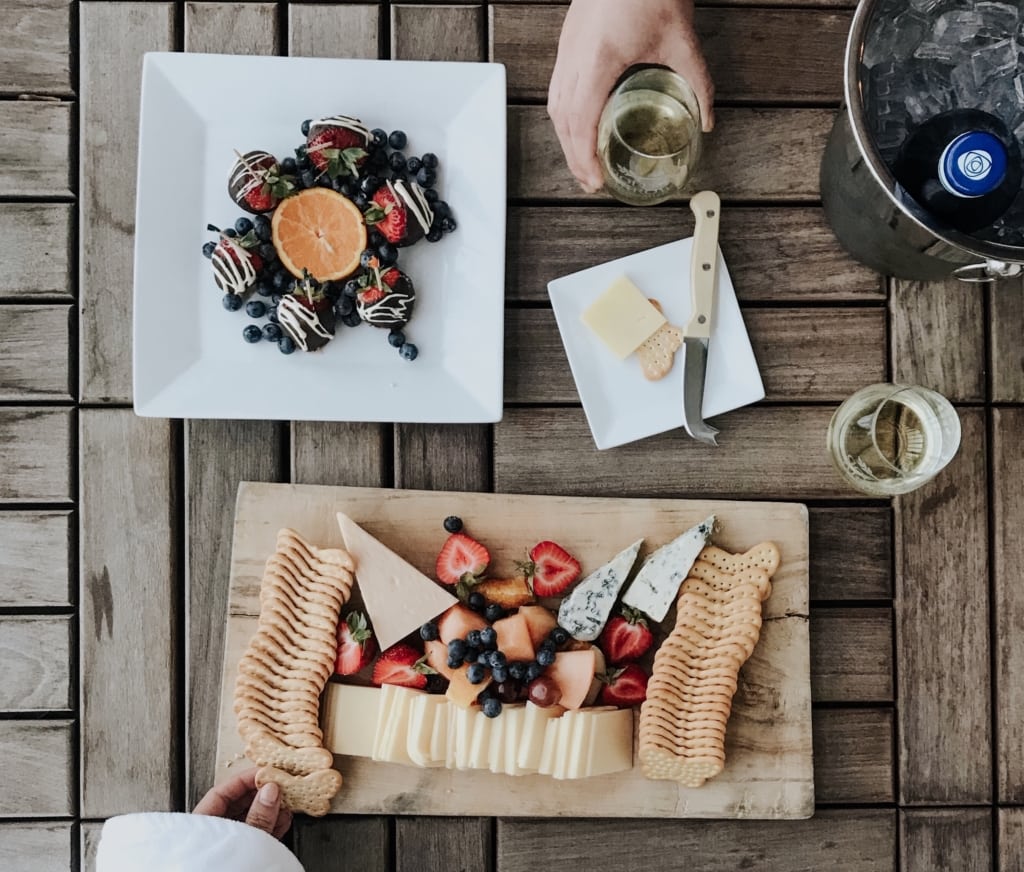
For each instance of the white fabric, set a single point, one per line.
(169, 842)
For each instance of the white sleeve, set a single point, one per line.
(171, 842)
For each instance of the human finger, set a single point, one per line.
(284, 821)
(556, 108)
(687, 59)
(265, 807)
(592, 89)
(219, 799)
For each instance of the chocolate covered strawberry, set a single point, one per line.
(385, 297)
(337, 145)
(400, 212)
(235, 268)
(307, 315)
(256, 182)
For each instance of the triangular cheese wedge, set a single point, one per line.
(397, 596)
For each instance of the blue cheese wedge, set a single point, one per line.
(657, 583)
(585, 611)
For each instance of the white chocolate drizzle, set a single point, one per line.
(248, 165)
(416, 202)
(394, 308)
(231, 276)
(300, 322)
(353, 124)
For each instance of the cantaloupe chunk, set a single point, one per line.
(539, 621)
(437, 657)
(514, 637)
(460, 692)
(573, 672)
(457, 622)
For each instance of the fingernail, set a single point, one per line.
(268, 793)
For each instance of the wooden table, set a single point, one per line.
(114, 530)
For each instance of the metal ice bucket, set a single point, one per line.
(882, 230)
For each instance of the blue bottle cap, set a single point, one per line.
(973, 164)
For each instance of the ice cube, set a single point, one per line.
(965, 88)
(998, 19)
(894, 39)
(993, 62)
(925, 6)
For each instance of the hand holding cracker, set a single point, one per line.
(240, 800)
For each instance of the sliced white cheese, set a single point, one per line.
(657, 583)
(563, 744)
(439, 735)
(579, 745)
(423, 712)
(397, 596)
(387, 702)
(514, 717)
(480, 750)
(465, 722)
(496, 754)
(548, 754)
(394, 748)
(531, 741)
(350, 719)
(585, 611)
(610, 744)
(623, 318)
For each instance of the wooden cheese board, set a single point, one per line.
(769, 766)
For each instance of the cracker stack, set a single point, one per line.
(689, 696)
(284, 670)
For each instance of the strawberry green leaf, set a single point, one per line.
(374, 215)
(250, 240)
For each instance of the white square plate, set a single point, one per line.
(623, 406)
(189, 356)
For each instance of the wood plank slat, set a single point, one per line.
(36, 464)
(753, 154)
(89, 836)
(743, 47)
(130, 597)
(231, 28)
(34, 350)
(1006, 314)
(37, 47)
(804, 355)
(38, 769)
(1008, 602)
(113, 37)
(442, 457)
(35, 846)
(922, 315)
(35, 661)
(786, 255)
(35, 551)
(444, 843)
(218, 455)
(771, 452)
(28, 129)
(1011, 839)
(357, 842)
(942, 631)
(945, 840)
(324, 30)
(438, 33)
(840, 841)
(851, 554)
(37, 250)
(853, 755)
(851, 655)
(340, 453)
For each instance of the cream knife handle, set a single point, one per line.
(703, 262)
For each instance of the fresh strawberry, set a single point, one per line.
(356, 645)
(388, 214)
(626, 637)
(371, 295)
(403, 665)
(337, 151)
(392, 276)
(256, 182)
(461, 556)
(624, 686)
(551, 569)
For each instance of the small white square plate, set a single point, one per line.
(189, 356)
(623, 406)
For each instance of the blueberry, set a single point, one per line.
(272, 314)
(379, 160)
(430, 195)
(413, 165)
(367, 257)
(325, 181)
(308, 178)
(208, 249)
(264, 288)
(347, 188)
(272, 332)
(285, 345)
(398, 139)
(408, 351)
(453, 523)
(473, 638)
(494, 612)
(435, 234)
(517, 670)
(288, 166)
(476, 601)
(441, 209)
(252, 333)
(488, 637)
(484, 658)
(545, 658)
(426, 177)
(378, 137)
(430, 160)
(369, 184)
(454, 662)
(232, 302)
(548, 645)
(230, 231)
(559, 636)
(359, 201)
(533, 670)
(255, 308)
(301, 155)
(491, 707)
(396, 339)
(344, 306)
(387, 253)
(428, 632)
(337, 184)
(498, 658)
(476, 674)
(499, 673)
(375, 238)
(448, 224)
(457, 648)
(275, 300)
(305, 126)
(243, 225)
(281, 280)
(267, 252)
(472, 654)
(261, 223)
(352, 319)
(397, 161)
(436, 684)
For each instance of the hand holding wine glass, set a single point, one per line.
(600, 40)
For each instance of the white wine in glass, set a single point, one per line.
(649, 137)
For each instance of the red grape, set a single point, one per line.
(544, 692)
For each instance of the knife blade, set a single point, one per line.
(696, 335)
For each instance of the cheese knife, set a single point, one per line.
(697, 333)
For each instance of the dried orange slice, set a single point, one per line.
(320, 230)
